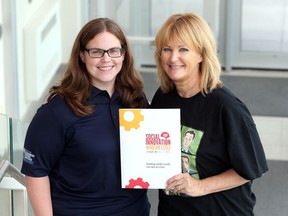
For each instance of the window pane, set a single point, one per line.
(265, 25)
(162, 9)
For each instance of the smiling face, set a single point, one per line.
(188, 140)
(181, 63)
(104, 70)
(185, 164)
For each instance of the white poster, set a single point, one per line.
(150, 147)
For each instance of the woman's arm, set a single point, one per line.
(184, 183)
(39, 195)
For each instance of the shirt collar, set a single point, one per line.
(96, 91)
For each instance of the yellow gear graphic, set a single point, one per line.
(134, 123)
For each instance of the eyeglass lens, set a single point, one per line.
(98, 53)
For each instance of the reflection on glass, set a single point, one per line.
(17, 133)
(12, 131)
(4, 154)
(4, 140)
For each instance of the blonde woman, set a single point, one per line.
(229, 153)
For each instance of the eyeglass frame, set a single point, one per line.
(105, 51)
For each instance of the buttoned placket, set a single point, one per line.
(114, 109)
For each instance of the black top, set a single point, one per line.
(224, 136)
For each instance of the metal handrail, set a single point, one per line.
(7, 167)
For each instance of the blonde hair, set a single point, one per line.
(192, 30)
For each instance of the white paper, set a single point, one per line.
(150, 147)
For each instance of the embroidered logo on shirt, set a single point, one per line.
(28, 156)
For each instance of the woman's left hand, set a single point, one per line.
(184, 183)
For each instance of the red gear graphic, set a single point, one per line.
(138, 182)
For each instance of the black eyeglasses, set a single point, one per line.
(99, 53)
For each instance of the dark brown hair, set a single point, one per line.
(76, 85)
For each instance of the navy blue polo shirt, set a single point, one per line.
(81, 156)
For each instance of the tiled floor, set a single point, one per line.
(274, 136)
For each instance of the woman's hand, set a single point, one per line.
(184, 183)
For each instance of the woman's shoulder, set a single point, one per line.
(58, 109)
(229, 102)
(224, 96)
(56, 104)
(160, 98)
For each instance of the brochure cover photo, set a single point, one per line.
(150, 145)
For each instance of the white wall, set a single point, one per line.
(31, 84)
(73, 17)
(7, 76)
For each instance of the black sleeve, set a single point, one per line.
(44, 143)
(244, 145)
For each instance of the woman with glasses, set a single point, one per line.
(72, 151)
(227, 151)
